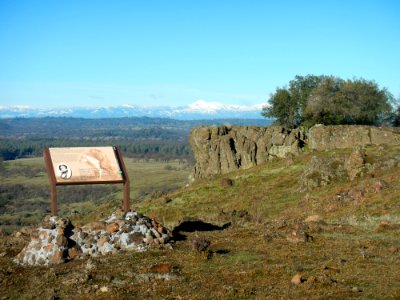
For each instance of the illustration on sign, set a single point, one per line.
(83, 164)
(63, 171)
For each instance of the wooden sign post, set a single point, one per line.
(85, 165)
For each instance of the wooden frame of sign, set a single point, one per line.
(85, 165)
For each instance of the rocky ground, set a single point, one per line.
(289, 229)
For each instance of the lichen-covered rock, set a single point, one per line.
(222, 149)
(355, 162)
(48, 246)
(322, 137)
(59, 241)
(320, 171)
(219, 150)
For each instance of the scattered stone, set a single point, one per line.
(313, 218)
(379, 185)
(161, 268)
(60, 241)
(356, 194)
(331, 270)
(200, 243)
(326, 279)
(90, 265)
(289, 160)
(166, 199)
(297, 279)
(270, 234)
(312, 280)
(226, 182)
(356, 289)
(299, 235)
(104, 289)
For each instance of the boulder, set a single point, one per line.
(320, 171)
(297, 279)
(355, 163)
(313, 218)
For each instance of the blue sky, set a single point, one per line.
(107, 53)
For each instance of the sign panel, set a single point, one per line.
(85, 164)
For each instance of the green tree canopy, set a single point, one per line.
(329, 100)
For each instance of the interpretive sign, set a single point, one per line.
(85, 165)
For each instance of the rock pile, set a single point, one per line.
(57, 240)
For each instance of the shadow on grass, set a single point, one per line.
(195, 225)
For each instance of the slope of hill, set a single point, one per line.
(270, 237)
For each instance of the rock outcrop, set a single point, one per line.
(219, 150)
(321, 171)
(322, 137)
(57, 240)
(223, 149)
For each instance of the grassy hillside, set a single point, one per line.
(261, 237)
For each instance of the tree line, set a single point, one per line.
(330, 100)
(18, 148)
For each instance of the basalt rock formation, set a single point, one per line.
(223, 149)
(219, 150)
(322, 138)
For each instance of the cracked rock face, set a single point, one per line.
(219, 150)
(323, 138)
(223, 149)
(58, 240)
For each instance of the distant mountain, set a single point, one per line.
(198, 110)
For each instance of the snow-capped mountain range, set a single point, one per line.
(198, 110)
